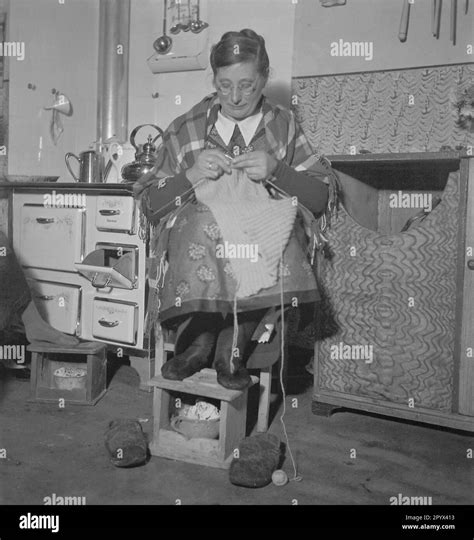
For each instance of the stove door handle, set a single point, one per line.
(44, 297)
(108, 324)
(105, 212)
(44, 220)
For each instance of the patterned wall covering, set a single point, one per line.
(365, 302)
(371, 110)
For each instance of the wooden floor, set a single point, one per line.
(346, 459)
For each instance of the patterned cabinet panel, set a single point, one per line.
(395, 322)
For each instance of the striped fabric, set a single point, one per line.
(243, 210)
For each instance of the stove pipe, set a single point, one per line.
(112, 100)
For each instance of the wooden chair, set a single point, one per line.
(233, 411)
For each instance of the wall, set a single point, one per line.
(274, 19)
(378, 21)
(61, 52)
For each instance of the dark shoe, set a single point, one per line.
(195, 358)
(238, 380)
(197, 343)
(229, 364)
(234, 378)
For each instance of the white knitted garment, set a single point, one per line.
(249, 220)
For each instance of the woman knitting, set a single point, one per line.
(234, 252)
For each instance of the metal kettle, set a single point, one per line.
(90, 166)
(145, 158)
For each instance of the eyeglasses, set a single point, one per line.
(245, 89)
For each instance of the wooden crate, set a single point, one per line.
(233, 414)
(46, 358)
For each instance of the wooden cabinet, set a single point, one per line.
(396, 324)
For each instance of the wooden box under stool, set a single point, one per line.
(46, 358)
(211, 452)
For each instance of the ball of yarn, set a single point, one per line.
(279, 477)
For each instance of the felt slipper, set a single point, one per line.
(126, 443)
(258, 458)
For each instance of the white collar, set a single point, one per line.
(248, 126)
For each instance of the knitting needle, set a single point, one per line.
(466, 7)
(184, 194)
(188, 191)
(271, 184)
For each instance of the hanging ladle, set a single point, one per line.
(162, 45)
(176, 28)
(198, 25)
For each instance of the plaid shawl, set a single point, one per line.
(186, 138)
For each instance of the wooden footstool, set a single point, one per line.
(50, 366)
(211, 452)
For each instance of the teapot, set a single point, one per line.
(144, 160)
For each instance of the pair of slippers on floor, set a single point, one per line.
(257, 458)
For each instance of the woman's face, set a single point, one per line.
(239, 88)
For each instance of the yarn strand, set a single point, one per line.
(296, 477)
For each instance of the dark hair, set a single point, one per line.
(243, 46)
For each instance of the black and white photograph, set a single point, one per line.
(237, 266)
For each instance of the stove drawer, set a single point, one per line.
(115, 214)
(115, 321)
(50, 237)
(58, 304)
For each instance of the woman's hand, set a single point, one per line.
(209, 164)
(258, 165)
